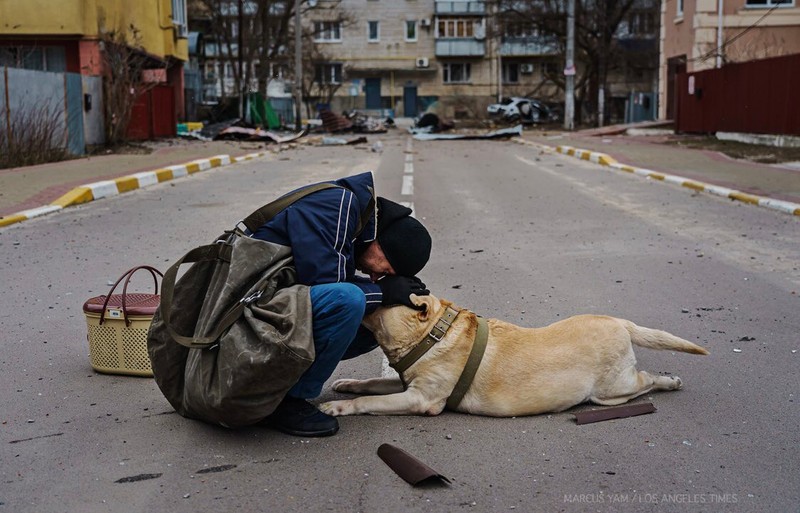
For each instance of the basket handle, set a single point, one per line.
(127, 277)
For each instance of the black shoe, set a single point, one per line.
(300, 418)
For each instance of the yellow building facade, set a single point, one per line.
(66, 36)
(151, 24)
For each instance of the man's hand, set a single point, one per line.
(397, 289)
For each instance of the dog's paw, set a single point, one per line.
(678, 382)
(337, 408)
(346, 385)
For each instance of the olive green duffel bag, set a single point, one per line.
(234, 333)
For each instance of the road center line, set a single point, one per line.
(408, 185)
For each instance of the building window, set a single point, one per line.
(519, 30)
(179, 17)
(328, 31)
(510, 73)
(549, 69)
(456, 27)
(679, 7)
(641, 24)
(769, 3)
(411, 30)
(456, 72)
(329, 73)
(373, 31)
(44, 58)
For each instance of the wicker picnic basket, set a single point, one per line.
(118, 325)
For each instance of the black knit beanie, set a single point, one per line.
(405, 242)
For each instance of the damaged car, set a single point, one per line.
(522, 110)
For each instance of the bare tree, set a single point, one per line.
(597, 24)
(322, 77)
(275, 34)
(124, 60)
(227, 20)
(266, 31)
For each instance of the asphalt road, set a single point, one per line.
(518, 235)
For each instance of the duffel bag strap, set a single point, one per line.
(254, 221)
(366, 215)
(206, 253)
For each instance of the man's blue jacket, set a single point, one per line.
(321, 230)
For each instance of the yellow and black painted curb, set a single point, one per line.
(786, 207)
(108, 188)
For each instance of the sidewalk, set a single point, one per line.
(709, 171)
(30, 191)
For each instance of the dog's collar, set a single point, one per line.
(471, 367)
(436, 334)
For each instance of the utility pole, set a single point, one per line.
(719, 33)
(240, 58)
(601, 72)
(569, 69)
(499, 77)
(298, 68)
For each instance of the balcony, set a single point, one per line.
(459, 8)
(460, 48)
(524, 47)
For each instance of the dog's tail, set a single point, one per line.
(657, 339)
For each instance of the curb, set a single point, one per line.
(787, 207)
(107, 188)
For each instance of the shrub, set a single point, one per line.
(32, 134)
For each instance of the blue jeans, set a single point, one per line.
(337, 310)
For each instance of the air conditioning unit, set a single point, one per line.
(422, 62)
(181, 31)
(425, 22)
(526, 68)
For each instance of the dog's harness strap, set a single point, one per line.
(471, 368)
(436, 334)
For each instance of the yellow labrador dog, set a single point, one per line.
(524, 371)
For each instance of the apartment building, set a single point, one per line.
(405, 55)
(697, 36)
(378, 55)
(460, 54)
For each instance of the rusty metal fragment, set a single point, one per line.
(412, 470)
(333, 122)
(618, 412)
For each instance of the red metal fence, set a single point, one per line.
(760, 97)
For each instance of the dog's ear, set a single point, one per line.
(425, 304)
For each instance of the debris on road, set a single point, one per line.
(430, 123)
(240, 133)
(353, 121)
(333, 122)
(340, 141)
(618, 412)
(138, 477)
(497, 134)
(412, 470)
